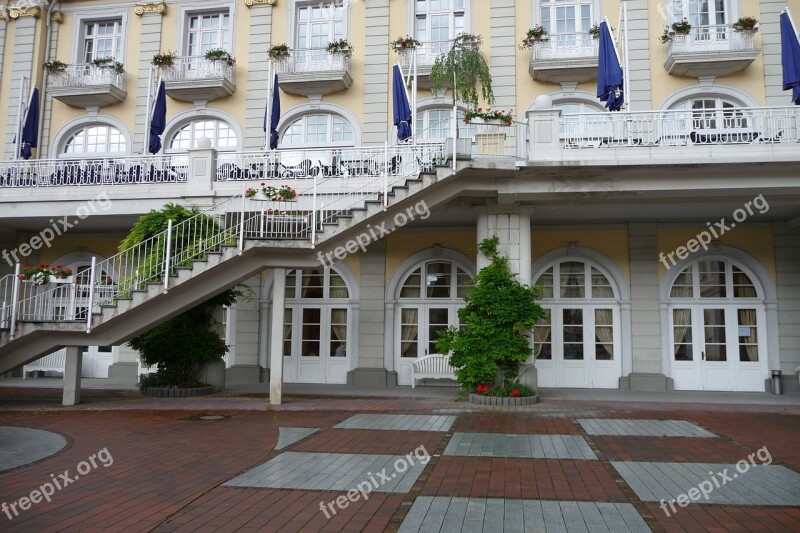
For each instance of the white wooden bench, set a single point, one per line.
(434, 366)
(54, 362)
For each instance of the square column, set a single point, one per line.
(72, 375)
(276, 339)
(512, 226)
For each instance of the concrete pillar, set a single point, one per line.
(513, 227)
(126, 365)
(544, 141)
(45, 150)
(770, 32)
(72, 376)
(149, 44)
(371, 366)
(244, 319)
(21, 65)
(260, 36)
(503, 51)
(202, 170)
(276, 340)
(376, 70)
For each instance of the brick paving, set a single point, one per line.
(169, 469)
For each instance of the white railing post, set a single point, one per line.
(91, 295)
(385, 174)
(314, 212)
(167, 254)
(14, 302)
(241, 227)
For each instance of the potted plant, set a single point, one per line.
(496, 117)
(218, 54)
(54, 67)
(43, 273)
(746, 24)
(404, 43)
(342, 46)
(682, 27)
(279, 51)
(163, 59)
(465, 64)
(108, 63)
(594, 31)
(284, 193)
(493, 338)
(534, 35)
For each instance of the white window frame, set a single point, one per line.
(85, 16)
(594, 16)
(173, 131)
(412, 19)
(206, 9)
(325, 143)
(69, 134)
(293, 18)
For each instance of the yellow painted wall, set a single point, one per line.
(399, 246)
(104, 246)
(612, 243)
(758, 242)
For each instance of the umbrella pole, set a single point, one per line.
(21, 106)
(791, 21)
(626, 81)
(268, 119)
(414, 98)
(148, 115)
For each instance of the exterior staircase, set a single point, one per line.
(241, 244)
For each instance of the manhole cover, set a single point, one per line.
(211, 417)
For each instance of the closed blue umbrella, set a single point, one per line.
(402, 111)
(609, 71)
(790, 57)
(159, 121)
(30, 129)
(275, 116)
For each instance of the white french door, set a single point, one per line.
(419, 328)
(315, 344)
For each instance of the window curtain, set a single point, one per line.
(541, 337)
(339, 331)
(682, 325)
(604, 329)
(747, 317)
(287, 329)
(410, 329)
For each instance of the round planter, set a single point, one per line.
(480, 399)
(172, 392)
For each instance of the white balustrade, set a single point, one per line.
(197, 68)
(710, 39)
(307, 61)
(565, 46)
(87, 75)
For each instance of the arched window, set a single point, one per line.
(222, 136)
(320, 129)
(318, 318)
(577, 343)
(95, 139)
(716, 318)
(434, 124)
(429, 297)
(713, 114)
(583, 120)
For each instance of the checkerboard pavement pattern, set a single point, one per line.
(558, 467)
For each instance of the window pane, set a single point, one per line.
(573, 334)
(338, 288)
(542, 343)
(291, 282)
(601, 287)
(546, 282)
(287, 332)
(714, 333)
(683, 288)
(411, 288)
(463, 283)
(572, 280)
(311, 332)
(742, 285)
(712, 279)
(747, 335)
(409, 332)
(312, 283)
(338, 333)
(437, 279)
(604, 334)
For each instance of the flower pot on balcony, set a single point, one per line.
(490, 122)
(491, 144)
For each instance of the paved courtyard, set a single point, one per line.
(230, 463)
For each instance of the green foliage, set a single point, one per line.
(509, 389)
(468, 66)
(499, 313)
(183, 344)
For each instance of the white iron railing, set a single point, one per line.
(197, 68)
(426, 54)
(308, 61)
(228, 223)
(710, 39)
(565, 46)
(759, 125)
(105, 171)
(87, 75)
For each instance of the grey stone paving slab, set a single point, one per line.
(758, 485)
(514, 445)
(642, 428)
(398, 422)
(21, 446)
(332, 471)
(441, 514)
(288, 436)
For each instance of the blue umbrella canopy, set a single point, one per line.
(609, 71)
(30, 129)
(159, 121)
(402, 111)
(790, 57)
(275, 116)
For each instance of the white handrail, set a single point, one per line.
(710, 38)
(197, 68)
(87, 75)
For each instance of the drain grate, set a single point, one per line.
(207, 416)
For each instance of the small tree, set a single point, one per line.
(465, 63)
(181, 345)
(499, 313)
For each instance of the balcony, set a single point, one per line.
(426, 57)
(564, 57)
(197, 79)
(85, 85)
(726, 135)
(710, 51)
(314, 72)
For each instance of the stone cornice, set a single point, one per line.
(18, 12)
(251, 3)
(159, 8)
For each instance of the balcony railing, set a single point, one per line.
(313, 60)
(759, 125)
(426, 54)
(711, 39)
(82, 172)
(197, 68)
(565, 46)
(87, 75)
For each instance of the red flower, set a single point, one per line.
(515, 393)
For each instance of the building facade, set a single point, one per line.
(666, 237)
